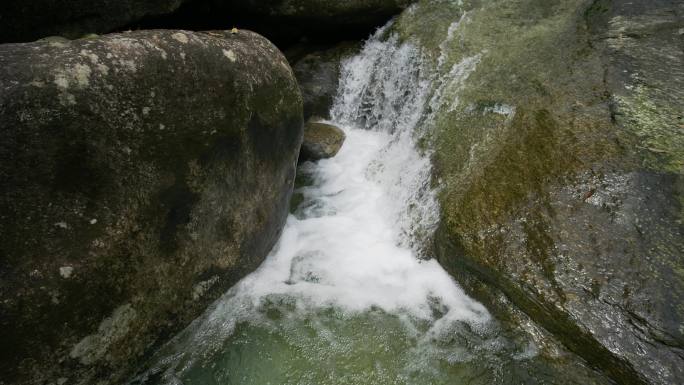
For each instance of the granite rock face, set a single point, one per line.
(142, 175)
(559, 162)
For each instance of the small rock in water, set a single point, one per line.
(321, 140)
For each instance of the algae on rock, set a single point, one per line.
(560, 178)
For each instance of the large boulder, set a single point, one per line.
(142, 175)
(22, 21)
(559, 153)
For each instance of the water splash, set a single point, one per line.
(351, 252)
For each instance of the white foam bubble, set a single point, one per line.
(348, 251)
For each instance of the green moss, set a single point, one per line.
(534, 117)
(490, 163)
(433, 16)
(656, 129)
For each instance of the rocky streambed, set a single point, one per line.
(533, 149)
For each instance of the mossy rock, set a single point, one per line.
(560, 168)
(143, 174)
(321, 141)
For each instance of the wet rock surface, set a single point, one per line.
(143, 174)
(318, 75)
(560, 170)
(321, 140)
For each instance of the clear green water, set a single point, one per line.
(373, 348)
(283, 343)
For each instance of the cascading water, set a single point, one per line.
(349, 295)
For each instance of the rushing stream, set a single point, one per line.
(349, 295)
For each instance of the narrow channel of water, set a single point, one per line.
(349, 295)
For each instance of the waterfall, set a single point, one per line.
(385, 89)
(351, 254)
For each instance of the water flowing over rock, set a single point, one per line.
(531, 149)
(143, 174)
(558, 157)
(321, 140)
(350, 294)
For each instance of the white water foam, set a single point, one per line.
(353, 244)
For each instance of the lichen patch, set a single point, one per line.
(90, 55)
(37, 83)
(66, 271)
(129, 65)
(230, 55)
(180, 37)
(112, 329)
(103, 69)
(200, 288)
(82, 75)
(68, 99)
(61, 81)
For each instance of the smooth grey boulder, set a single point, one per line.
(321, 140)
(142, 175)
